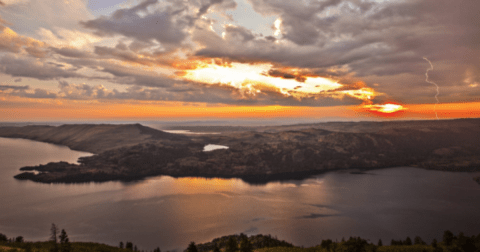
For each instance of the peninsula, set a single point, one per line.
(255, 154)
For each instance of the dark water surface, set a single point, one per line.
(163, 211)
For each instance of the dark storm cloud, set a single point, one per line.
(161, 25)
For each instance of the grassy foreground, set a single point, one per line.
(261, 243)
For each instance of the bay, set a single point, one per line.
(168, 212)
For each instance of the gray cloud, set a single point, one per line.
(162, 26)
(71, 52)
(206, 6)
(5, 87)
(34, 68)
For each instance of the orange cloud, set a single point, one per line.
(12, 42)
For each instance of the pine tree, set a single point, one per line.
(120, 245)
(64, 242)
(53, 237)
(380, 243)
(192, 247)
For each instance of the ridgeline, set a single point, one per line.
(259, 155)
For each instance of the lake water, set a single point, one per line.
(167, 212)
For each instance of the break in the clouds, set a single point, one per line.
(317, 53)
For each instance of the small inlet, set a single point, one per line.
(211, 147)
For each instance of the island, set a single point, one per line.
(254, 154)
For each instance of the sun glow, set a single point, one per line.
(253, 79)
(388, 108)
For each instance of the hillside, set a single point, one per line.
(135, 152)
(94, 138)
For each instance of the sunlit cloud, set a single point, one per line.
(253, 79)
(383, 110)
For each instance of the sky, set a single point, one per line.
(237, 59)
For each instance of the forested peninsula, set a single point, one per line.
(255, 154)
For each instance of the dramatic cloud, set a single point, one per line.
(317, 53)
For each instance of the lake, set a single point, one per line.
(167, 212)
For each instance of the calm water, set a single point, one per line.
(167, 212)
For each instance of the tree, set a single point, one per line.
(157, 250)
(53, 233)
(232, 245)
(129, 246)
(3, 237)
(408, 241)
(216, 248)
(53, 237)
(120, 245)
(418, 241)
(192, 247)
(380, 243)
(245, 245)
(434, 243)
(64, 241)
(448, 238)
(326, 243)
(19, 239)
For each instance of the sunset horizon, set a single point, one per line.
(151, 60)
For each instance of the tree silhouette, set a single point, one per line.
(64, 242)
(245, 245)
(53, 237)
(216, 248)
(157, 250)
(129, 246)
(448, 238)
(408, 241)
(192, 247)
(53, 233)
(380, 243)
(418, 241)
(19, 239)
(232, 245)
(120, 245)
